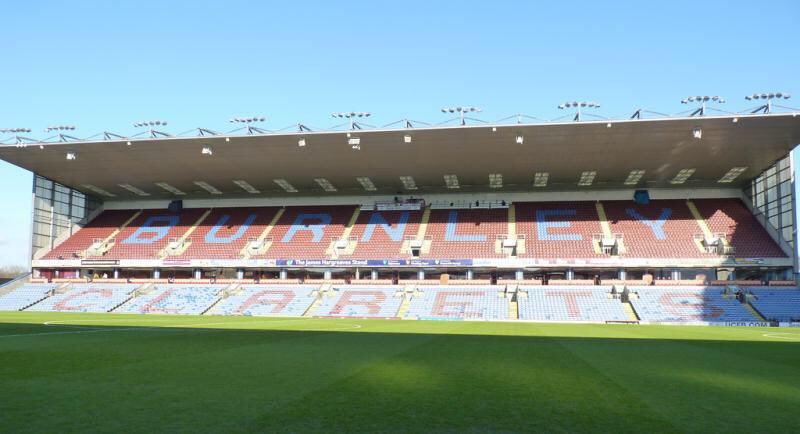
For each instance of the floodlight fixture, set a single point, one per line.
(301, 142)
(462, 111)
(578, 106)
(767, 97)
(151, 125)
(61, 136)
(697, 133)
(351, 116)
(407, 138)
(702, 100)
(207, 150)
(71, 156)
(520, 139)
(248, 121)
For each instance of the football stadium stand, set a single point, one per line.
(359, 301)
(569, 303)
(173, 299)
(778, 304)
(458, 302)
(25, 296)
(660, 229)
(87, 298)
(268, 300)
(688, 304)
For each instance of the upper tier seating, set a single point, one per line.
(86, 298)
(24, 296)
(558, 229)
(569, 303)
(660, 229)
(268, 300)
(780, 304)
(360, 301)
(552, 230)
(732, 218)
(307, 232)
(175, 299)
(687, 304)
(465, 233)
(98, 229)
(454, 302)
(380, 234)
(225, 231)
(150, 232)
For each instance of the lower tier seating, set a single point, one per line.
(373, 302)
(24, 296)
(454, 302)
(778, 304)
(86, 298)
(268, 300)
(174, 299)
(681, 304)
(569, 303)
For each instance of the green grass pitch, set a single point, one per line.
(146, 373)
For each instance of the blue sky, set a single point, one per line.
(103, 65)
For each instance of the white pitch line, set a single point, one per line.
(785, 335)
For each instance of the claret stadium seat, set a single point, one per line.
(268, 300)
(458, 302)
(569, 303)
(360, 301)
(97, 297)
(732, 218)
(466, 233)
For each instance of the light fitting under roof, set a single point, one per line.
(540, 179)
(587, 177)
(301, 142)
(244, 185)
(72, 156)
(207, 150)
(495, 180)
(682, 176)
(451, 182)
(98, 190)
(325, 184)
(520, 139)
(408, 182)
(134, 190)
(170, 188)
(732, 174)
(207, 187)
(634, 177)
(407, 138)
(366, 183)
(284, 184)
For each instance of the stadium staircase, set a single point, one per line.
(703, 225)
(408, 293)
(100, 248)
(421, 231)
(630, 311)
(260, 245)
(513, 309)
(130, 297)
(222, 295)
(144, 289)
(177, 247)
(606, 228)
(344, 245)
(321, 293)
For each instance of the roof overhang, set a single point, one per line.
(660, 147)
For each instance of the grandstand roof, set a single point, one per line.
(661, 147)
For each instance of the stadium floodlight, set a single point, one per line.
(702, 100)
(354, 142)
(732, 174)
(587, 177)
(408, 182)
(768, 97)
(248, 121)
(301, 142)
(578, 106)
(495, 180)
(60, 128)
(462, 111)
(325, 184)
(20, 142)
(135, 190)
(540, 179)
(682, 176)
(151, 125)
(71, 156)
(351, 116)
(407, 138)
(366, 183)
(207, 187)
(207, 150)
(451, 182)
(15, 130)
(246, 186)
(98, 190)
(634, 177)
(697, 133)
(170, 188)
(520, 139)
(284, 184)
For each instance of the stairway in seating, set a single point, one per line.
(630, 311)
(408, 292)
(701, 223)
(181, 243)
(513, 308)
(334, 252)
(221, 295)
(321, 292)
(106, 244)
(245, 252)
(421, 231)
(606, 228)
